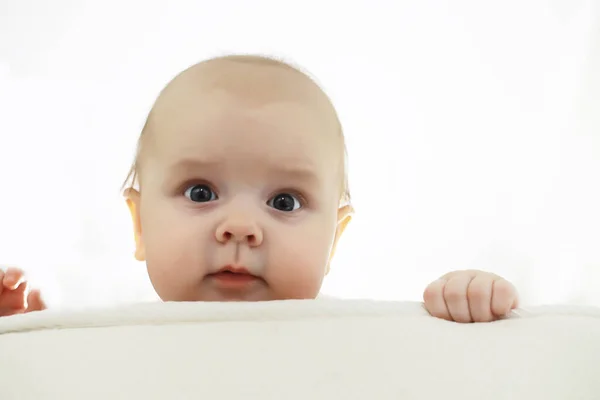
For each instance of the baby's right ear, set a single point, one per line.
(132, 197)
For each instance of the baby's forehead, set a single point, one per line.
(255, 82)
(211, 102)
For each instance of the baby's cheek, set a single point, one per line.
(296, 283)
(169, 260)
(298, 270)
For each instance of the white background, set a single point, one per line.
(473, 130)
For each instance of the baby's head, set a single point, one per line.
(241, 189)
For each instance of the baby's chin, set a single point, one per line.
(210, 293)
(262, 294)
(236, 297)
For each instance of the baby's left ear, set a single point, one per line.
(132, 197)
(344, 216)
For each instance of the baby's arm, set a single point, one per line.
(470, 296)
(15, 296)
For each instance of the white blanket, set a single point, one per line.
(309, 350)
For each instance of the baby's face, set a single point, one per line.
(240, 188)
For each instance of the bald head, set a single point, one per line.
(251, 81)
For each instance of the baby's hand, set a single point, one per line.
(470, 296)
(15, 297)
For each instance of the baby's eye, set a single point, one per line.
(284, 202)
(200, 193)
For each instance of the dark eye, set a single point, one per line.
(200, 194)
(284, 202)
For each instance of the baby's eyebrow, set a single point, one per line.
(287, 170)
(187, 165)
(302, 173)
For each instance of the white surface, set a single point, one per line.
(473, 133)
(328, 349)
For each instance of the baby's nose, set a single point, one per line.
(239, 230)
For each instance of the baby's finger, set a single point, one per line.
(504, 297)
(13, 277)
(455, 294)
(434, 300)
(14, 299)
(480, 299)
(35, 301)
(1, 280)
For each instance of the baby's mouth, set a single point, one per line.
(233, 278)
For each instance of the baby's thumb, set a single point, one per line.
(35, 302)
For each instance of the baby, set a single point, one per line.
(239, 193)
